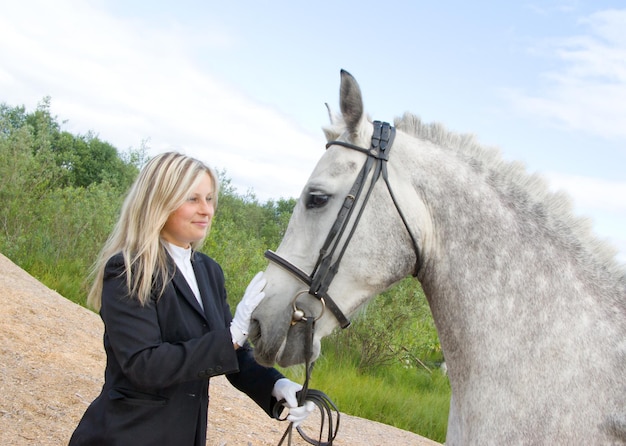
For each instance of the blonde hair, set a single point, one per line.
(162, 187)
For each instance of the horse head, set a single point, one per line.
(371, 243)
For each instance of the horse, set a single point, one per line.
(529, 305)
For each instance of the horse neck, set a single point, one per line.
(491, 260)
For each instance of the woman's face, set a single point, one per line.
(191, 221)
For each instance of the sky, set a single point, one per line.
(243, 85)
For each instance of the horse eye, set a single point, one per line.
(316, 201)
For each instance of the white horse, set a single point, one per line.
(530, 308)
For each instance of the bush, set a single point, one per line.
(396, 328)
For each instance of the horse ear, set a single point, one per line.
(351, 102)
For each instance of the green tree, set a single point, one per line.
(89, 160)
(53, 221)
(78, 161)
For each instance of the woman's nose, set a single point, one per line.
(207, 208)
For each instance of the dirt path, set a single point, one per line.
(52, 364)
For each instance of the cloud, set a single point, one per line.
(588, 91)
(602, 198)
(133, 81)
(620, 244)
(592, 193)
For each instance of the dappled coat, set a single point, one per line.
(160, 358)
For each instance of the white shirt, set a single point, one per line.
(182, 258)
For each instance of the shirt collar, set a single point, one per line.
(178, 254)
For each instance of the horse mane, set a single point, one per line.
(530, 191)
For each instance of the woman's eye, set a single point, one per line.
(316, 201)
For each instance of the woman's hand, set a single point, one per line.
(240, 325)
(285, 389)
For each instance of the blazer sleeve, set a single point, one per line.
(252, 379)
(255, 380)
(134, 334)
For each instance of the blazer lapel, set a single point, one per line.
(212, 314)
(185, 290)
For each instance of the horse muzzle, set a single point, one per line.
(280, 337)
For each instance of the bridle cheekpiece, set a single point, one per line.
(331, 252)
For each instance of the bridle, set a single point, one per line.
(325, 269)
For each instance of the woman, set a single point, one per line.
(167, 323)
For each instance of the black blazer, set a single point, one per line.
(160, 358)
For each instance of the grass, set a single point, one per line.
(65, 277)
(412, 399)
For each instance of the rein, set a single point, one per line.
(325, 270)
(320, 399)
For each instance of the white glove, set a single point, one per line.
(240, 325)
(285, 389)
(298, 414)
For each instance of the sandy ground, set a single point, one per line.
(52, 363)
